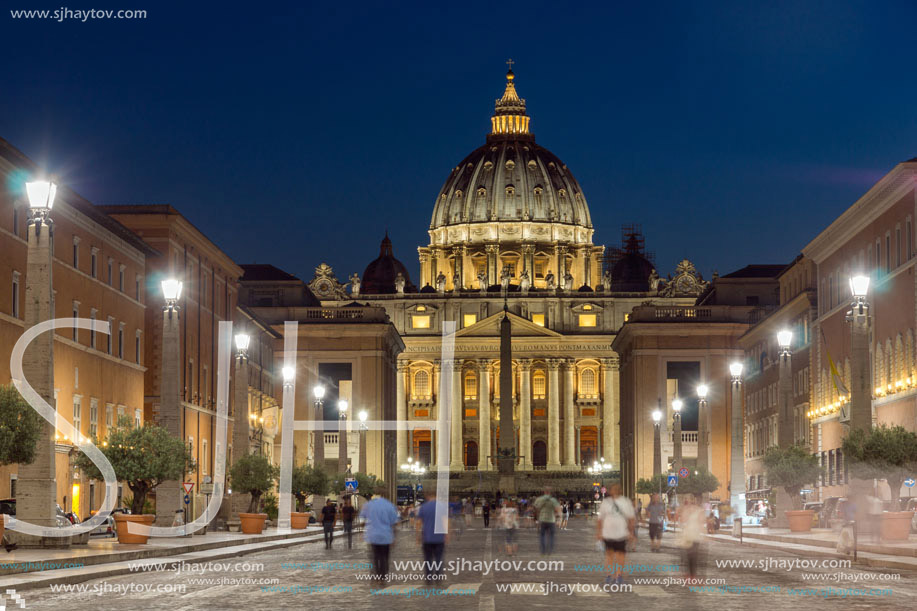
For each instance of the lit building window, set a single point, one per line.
(421, 308)
(471, 386)
(422, 385)
(538, 385)
(538, 319)
(587, 320)
(420, 322)
(587, 307)
(469, 319)
(587, 383)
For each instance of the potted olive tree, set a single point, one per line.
(19, 429)
(143, 457)
(255, 475)
(307, 481)
(793, 468)
(888, 453)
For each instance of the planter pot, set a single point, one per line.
(299, 519)
(121, 520)
(800, 520)
(896, 525)
(252, 523)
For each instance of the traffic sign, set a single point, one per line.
(673, 481)
(188, 486)
(350, 484)
(909, 482)
(187, 500)
(419, 488)
(683, 472)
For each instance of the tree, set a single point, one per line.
(699, 482)
(309, 480)
(791, 468)
(888, 453)
(20, 426)
(366, 483)
(255, 475)
(654, 485)
(144, 457)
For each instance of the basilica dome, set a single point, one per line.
(379, 276)
(510, 180)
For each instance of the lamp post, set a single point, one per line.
(169, 494)
(676, 418)
(342, 437)
(36, 487)
(413, 470)
(288, 372)
(657, 445)
(318, 435)
(598, 468)
(241, 435)
(703, 428)
(785, 388)
(860, 411)
(737, 454)
(362, 466)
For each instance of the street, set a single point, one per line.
(482, 576)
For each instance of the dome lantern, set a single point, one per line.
(509, 116)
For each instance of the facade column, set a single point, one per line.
(561, 254)
(424, 269)
(401, 412)
(554, 414)
(569, 416)
(241, 439)
(484, 420)
(493, 273)
(610, 410)
(528, 260)
(36, 488)
(737, 449)
(458, 261)
(579, 454)
(587, 266)
(525, 413)
(434, 265)
(456, 462)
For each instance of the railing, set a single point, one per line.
(338, 313)
(686, 436)
(331, 439)
(739, 314)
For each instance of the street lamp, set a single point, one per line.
(363, 415)
(318, 435)
(657, 445)
(242, 342)
(737, 453)
(676, 418)
(860, 410)
(41, 195)
(703, 428)
(342, 436)
(784, 339)
(413, 470)
(171, 411)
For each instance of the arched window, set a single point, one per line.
(471, 385)
(422, 384)
(539, 382)
(587, 385)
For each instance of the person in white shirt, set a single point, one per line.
(615, 526)
(692, 521)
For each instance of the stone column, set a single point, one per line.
(569, 416)
(424, 269)
(434, 265)
(703, 434)
(553, 414)
(525, 413)
(610, 410)
(401, 412)
(561, 254)
(860, 388)
(737, 453)
(169, 494)
(784, 430)
(456, 462)
(579, 455)
(528, 260)
(493, 273)
(458, 260)
(36, 488)
(587, 266)
(240, 427)
(484, 450)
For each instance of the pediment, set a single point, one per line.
(521, 327)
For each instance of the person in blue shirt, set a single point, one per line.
(433, 543)
(380, 517)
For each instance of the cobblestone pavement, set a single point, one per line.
(327, 579)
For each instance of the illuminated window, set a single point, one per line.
(626, 317)
(539, 269)
(422, 385)
(538, 319)
(587, 307)
(420, 322)
(470, 319)
(538, 385)
(587, 383)
(471, 386)
(421, 308)
(587, 320)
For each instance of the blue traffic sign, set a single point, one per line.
(187, 499)
(350, 485)
(673, 481)
(909, 482)
(419, 488)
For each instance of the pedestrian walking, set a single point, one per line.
(432, 542)
(347, 513)
(485, 512)
(564, 514)
(693, 523)
(656, 518)
(509, 521)
(329, 519)
(380, 517)
(548, 511)
(614, 526)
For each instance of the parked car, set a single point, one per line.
(8, 506)
(831, 514)
(815, 506)
(105, 529)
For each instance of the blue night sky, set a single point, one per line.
(297, 134)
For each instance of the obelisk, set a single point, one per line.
(506, 454)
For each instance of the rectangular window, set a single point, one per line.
(92, 330)
(93, 263)
(76, 314)
(205, 457)
(469, 319)
(93, 418)
(897, 246)
(888, 252)
(138, 417)
(137, 288)
(587, 320)
(15, 221)
(137, 348)
(121, 278)
(539, 269)
(538, 319)
(108, 342)
(420, 322)
(77, 413)
(111, 277)
(471, 386)
(538, 385)
(76, 252)
(15, 308)
(109, 415)
(121, 341)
